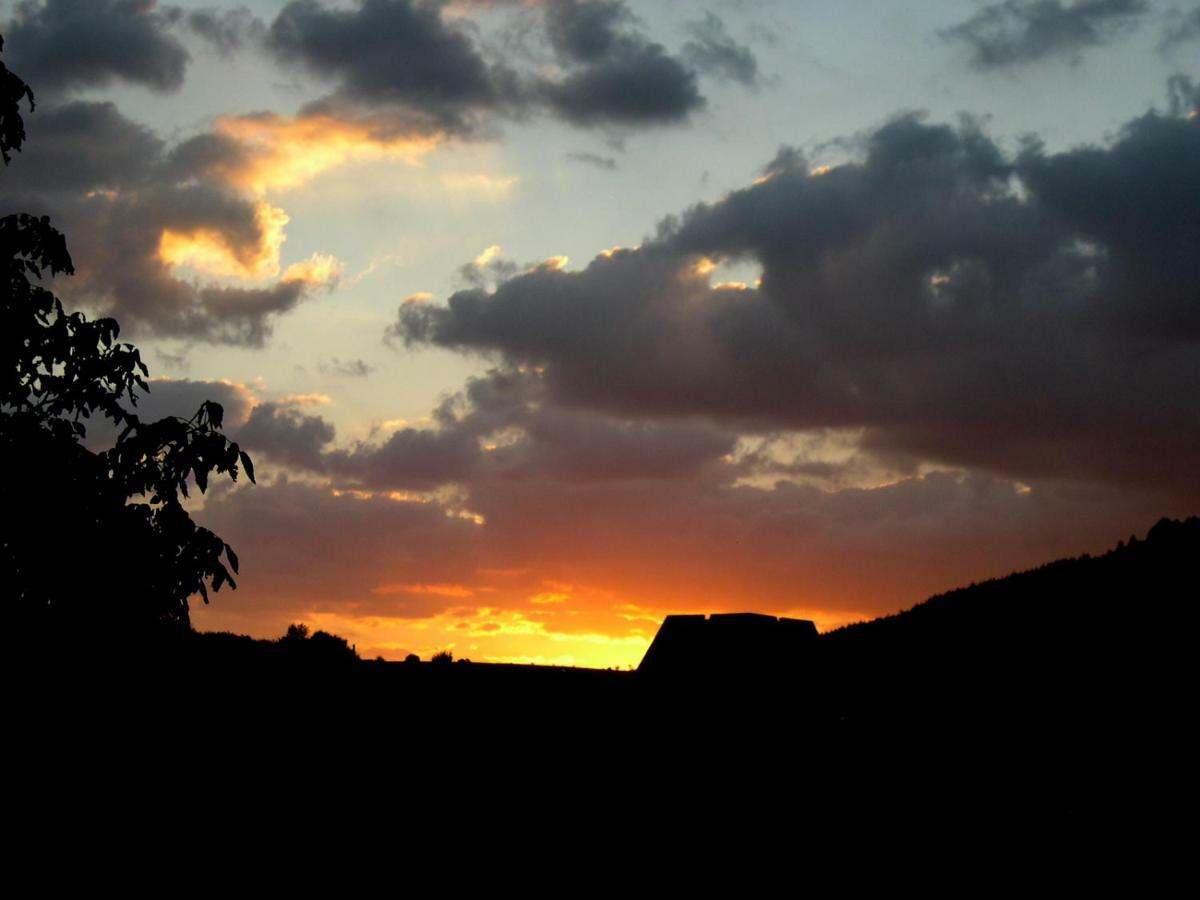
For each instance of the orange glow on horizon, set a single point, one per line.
(586, 628)
(438, 590)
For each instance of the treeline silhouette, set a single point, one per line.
(1054, 703)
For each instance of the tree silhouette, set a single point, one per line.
(91, 538)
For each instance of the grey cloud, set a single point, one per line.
(180, 398)
(1034, 315)
(351, 368)
(358, 544)
(713, 51)
(226, 30)
(588, 31)
(230, 315)
(1022, 31)
(1183, 28)
(594, 159)
(681, 544)
(409, 459)
(1184, 96)
(404, 61)
(71, 44)
(391, 52)
(85, 146)
(504, 426)
(615, 75)
(112, 188)
(640, 85)
(287, 435)
(280, 431)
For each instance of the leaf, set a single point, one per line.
(233, 560)
(247, 465)
(214, 411)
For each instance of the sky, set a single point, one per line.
(543, 320)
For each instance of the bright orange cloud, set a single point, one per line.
(283, 152)
(216, 253)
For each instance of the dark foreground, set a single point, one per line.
(1059, 702)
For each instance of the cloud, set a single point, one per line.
(594, 159)
(1184, 96)
(615, 76)
(182, 397)
(587, 31)
(1015, 32)
(339, 547)
(349, 368)
(226, 30)
(159, 234)
(423, 67)
(503, 426)
(714, 52)
(279, 429)
(399, 573)
(83, 147)
(392, 53)
(262, 152)
(1031, 315)
(287, 435)
(319, 269)
(61, 45)
(1182, 28)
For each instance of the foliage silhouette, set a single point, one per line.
(83, 526)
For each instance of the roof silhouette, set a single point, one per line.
(722, 643)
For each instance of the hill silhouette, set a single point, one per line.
(1056, 700)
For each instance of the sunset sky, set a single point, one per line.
(543, 320)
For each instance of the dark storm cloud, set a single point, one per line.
(403, 59)
(226, 30)
(614, 74)
(1023, 31)
(112, 188)
(587, 31)
(392, 52)
(69, 44)
(85, 146)
(1034, 314)
(712, 51)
